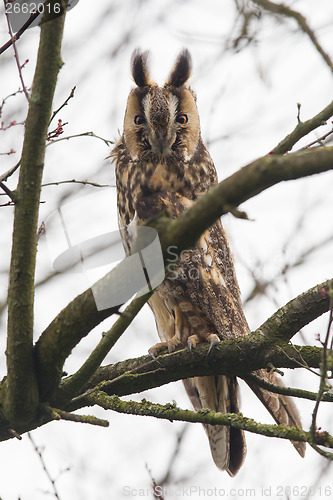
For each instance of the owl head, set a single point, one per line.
(161, 123)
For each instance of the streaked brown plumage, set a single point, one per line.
(162, 164)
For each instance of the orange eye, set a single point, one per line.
(182, 118)
(139, 119)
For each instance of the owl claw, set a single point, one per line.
(151, 354)
(171, 347)
(214, 340)
(192, 342)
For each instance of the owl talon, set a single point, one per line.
(171, 347)
(214, 340)
(190, 345)
(192, 341)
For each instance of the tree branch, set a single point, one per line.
(205, 416)
(74, 384)
(20, 32)
(244, 184)
(287, 391)
(252, 352)
(16, 56)
(283, 10)
(302, 129)
(21, 399)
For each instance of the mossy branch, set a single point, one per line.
(205, 416)
(21, 398)
(244, 184)
(261, 349)
(55, 344)
(287, 391)
(76, 382)
(237, 357)
(56, 414)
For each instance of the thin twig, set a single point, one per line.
(42, 461)
(317, 141)
(56, 414)
(302, 129)
(8, 191)
(10, 172)
(20, 32)
(74, 181)
(323, 387)
(63, 105)
(15, 434)
(155, 488)
(88, 134)
(287, 391)
(19, 68)
(19, 91)
(283, 10)
(180, 436)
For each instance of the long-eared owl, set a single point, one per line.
(161, 158)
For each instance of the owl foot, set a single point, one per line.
(158, 349)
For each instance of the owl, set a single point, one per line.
(163, 165)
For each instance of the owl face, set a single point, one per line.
(161, 123)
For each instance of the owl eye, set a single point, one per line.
(139, 120)
(182, 118)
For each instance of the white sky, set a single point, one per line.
(247, 103)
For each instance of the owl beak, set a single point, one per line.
(161, 137)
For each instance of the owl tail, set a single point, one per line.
(219, 393)
(282, 408)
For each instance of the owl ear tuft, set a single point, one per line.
(139, 66)
(182, 69)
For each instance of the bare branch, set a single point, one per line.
(10, 172)
(19, 67)
(71, 95)
(282, 10)
(74, 181)
(42, 461)
(8, 192)
(302, 129)
(20, 32)
(108, 142)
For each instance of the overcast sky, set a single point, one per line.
(247, 100)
